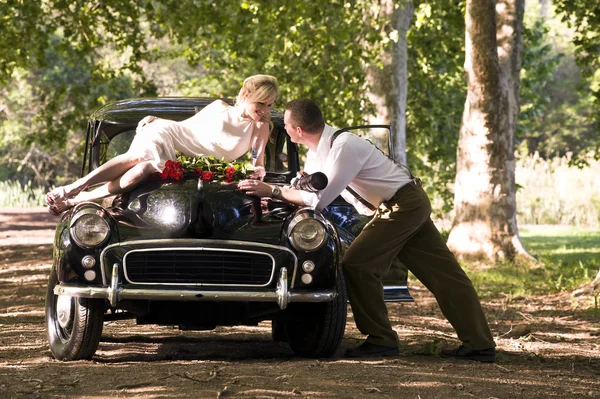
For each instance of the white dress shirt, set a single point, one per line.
(352, 161)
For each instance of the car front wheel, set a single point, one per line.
(316, 330)
(74, 324)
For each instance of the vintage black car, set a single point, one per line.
(199, 255)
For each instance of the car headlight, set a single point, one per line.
(89, 229)
(307, 233)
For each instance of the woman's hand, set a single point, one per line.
(258, 174)
(147, 120)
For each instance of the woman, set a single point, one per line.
(218, 130)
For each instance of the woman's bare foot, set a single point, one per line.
(59, 207)
(52, 196)
(60, 194)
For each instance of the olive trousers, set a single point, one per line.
(402, 228)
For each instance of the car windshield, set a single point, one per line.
(119, 144)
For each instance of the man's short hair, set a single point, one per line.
(306, 114)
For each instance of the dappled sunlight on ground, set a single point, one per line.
(557, 357)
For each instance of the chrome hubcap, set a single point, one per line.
(64, 305)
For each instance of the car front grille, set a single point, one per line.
(199, 267)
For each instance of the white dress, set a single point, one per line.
(218, 130)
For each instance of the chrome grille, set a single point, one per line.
(198, 267)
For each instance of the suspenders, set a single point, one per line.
(356, 195)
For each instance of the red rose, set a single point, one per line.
(176, 174)
(207, 176)
(169, 164)
(229, 174)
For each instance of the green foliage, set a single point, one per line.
(436, 96)
(60, 60)
(584, 17)
(314, 51)
(85, 28)
(539, 63)
(570, 257)
(555, 119)
(19, 32)
(45, 111)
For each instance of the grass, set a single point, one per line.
(17, 195)
(569, 257)
(553, 192)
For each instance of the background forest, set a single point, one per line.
(60, 60)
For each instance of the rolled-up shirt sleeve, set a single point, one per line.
(310, 199)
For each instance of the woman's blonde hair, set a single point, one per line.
(258, 89)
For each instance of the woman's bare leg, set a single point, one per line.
(121, 184)
(111, 170)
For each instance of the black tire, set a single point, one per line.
(315, 330)
(278, 330)
(79, 335)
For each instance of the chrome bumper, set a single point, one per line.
(114, 293)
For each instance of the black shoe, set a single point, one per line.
(482, 355)
(368, 349)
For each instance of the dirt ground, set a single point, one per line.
(548, 348)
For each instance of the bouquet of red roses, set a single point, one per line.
(208, 169)
(173, 171)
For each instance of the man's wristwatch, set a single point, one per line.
(275, 191)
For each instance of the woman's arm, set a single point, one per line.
(258, 143)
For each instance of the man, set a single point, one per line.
(401, 228)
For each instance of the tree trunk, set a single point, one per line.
(485, 200)
(389, 86)
(401, 20)
(510, 47)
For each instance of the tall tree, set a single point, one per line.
(401, 21)
(388, 85)
(485, 205)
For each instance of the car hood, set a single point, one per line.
(193, 209)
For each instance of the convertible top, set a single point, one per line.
(177, 108)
